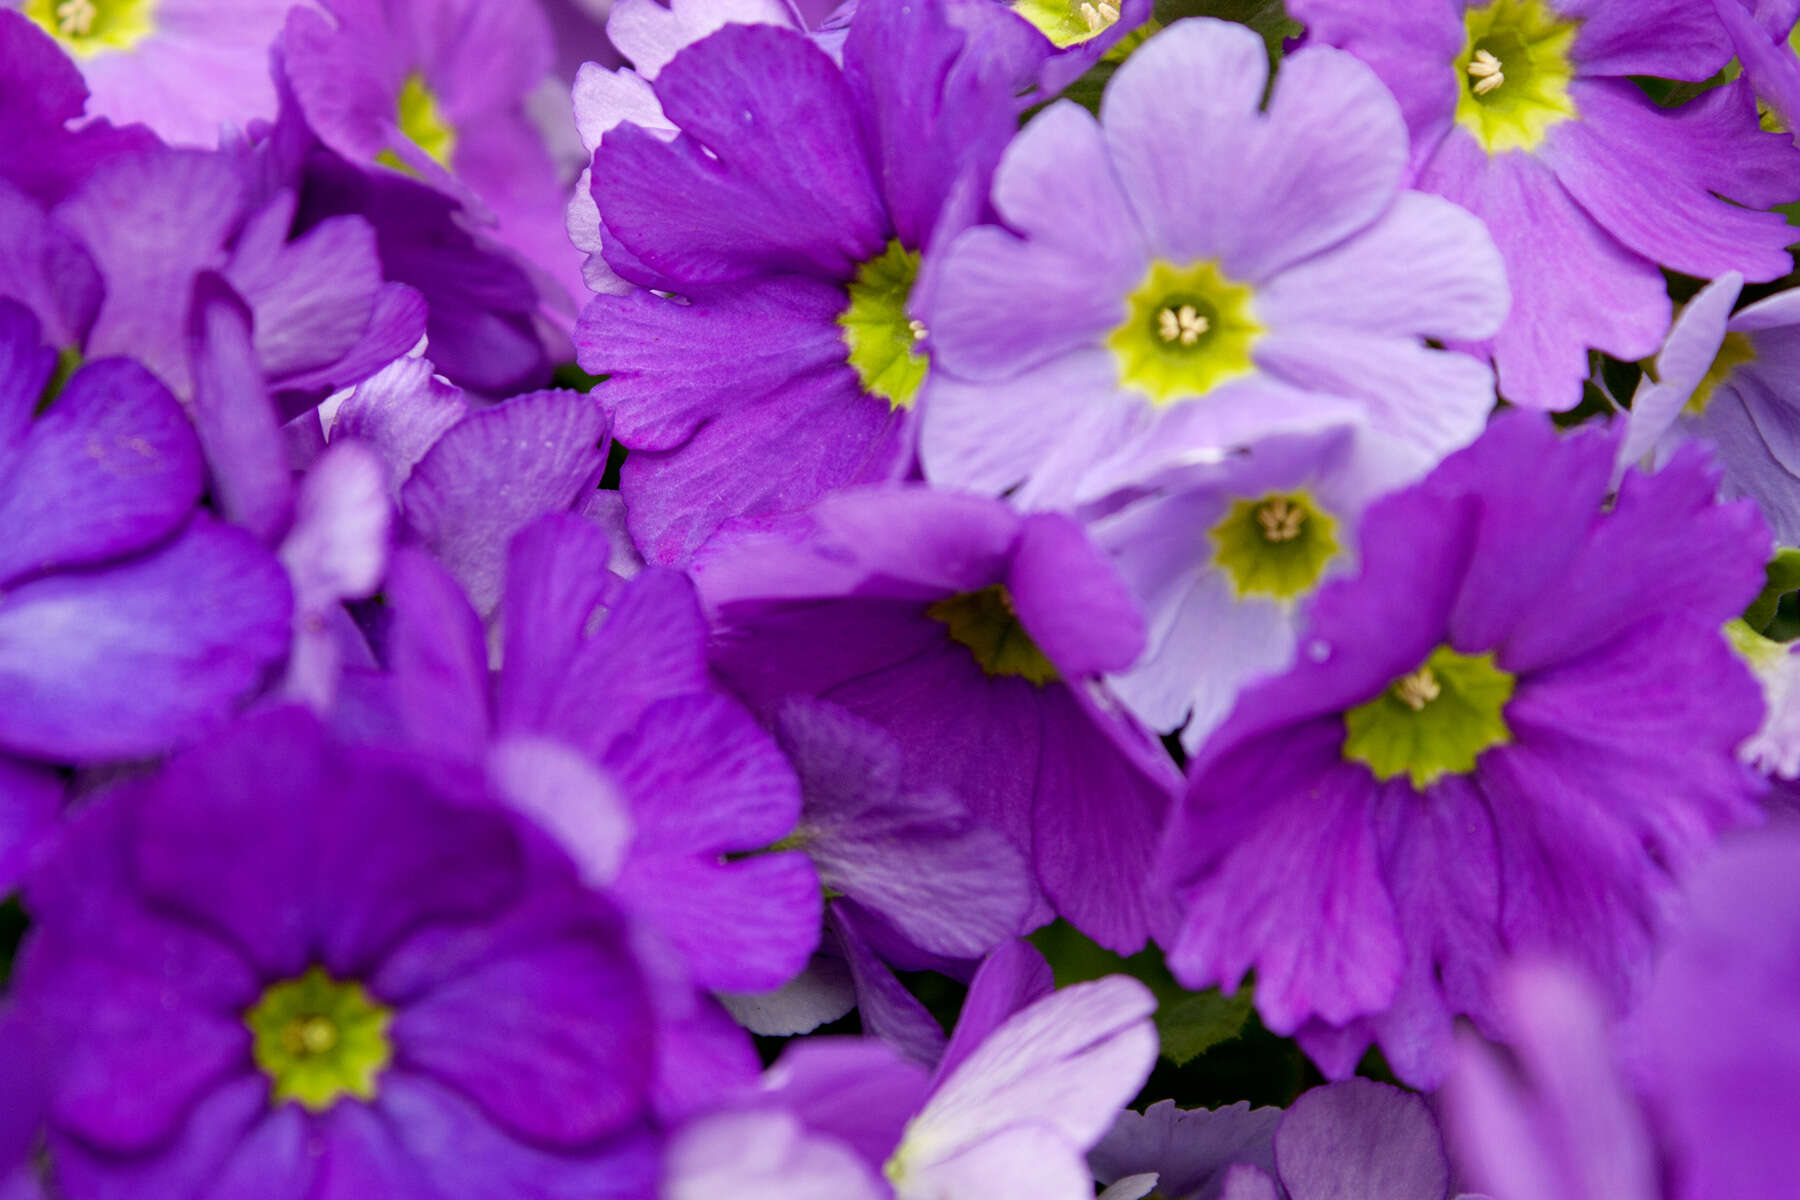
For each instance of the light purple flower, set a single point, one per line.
(1173, 288)
(1729, 379)
(1761, 33)
(1586, 184)
(975, 637)
(1222, 553)
(1506, 735)
(189, 69)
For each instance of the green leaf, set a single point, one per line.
(1188, 1023)
(1198, 1021)
(1783, 575)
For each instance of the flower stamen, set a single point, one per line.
(1485, 69)
(1280, 520)
(75, 18)
(1185, 324)
(1099, 16)
(1418, 689)
(918, 330)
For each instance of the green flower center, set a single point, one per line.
(420, 119)
(1735, 351)
(1276, 545)
(319, 1040)
(987, 624)
(882, 339)
(87, 27)
(1069, 22)
(1514, 74)
(1433, 722)
(1187, 330)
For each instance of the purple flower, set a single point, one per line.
(292, 968)
(1728, 378)
(604, 726)
(1697, 1101)
(1031, 1080)
(1522, 111)
(1222, 552)
(1200, 291)
(186, 68)
(1357, 1139)
(974, 636)
(1503, 736)
(438, 88)
(798, 239)
(129, 623)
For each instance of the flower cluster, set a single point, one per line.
(899, 599)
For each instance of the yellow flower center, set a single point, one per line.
(89, 27)
(987, 624)
(1433, 721)
(881, 339)
(1514, 73)
(319, 1040)
(1069, 22)
(1276, 545)
(420, 118)
(1187, 330)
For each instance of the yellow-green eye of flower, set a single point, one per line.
(420, 119)
(1070, 22)
(319, 1040)
(881, 338)
(86, 27)
(1276, 545)
(1434, 721)
(1735, 351)
(986, 623)
(1187, 330)
(1514, 73)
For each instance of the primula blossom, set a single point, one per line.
(1191, 271)
(1523, 112)
(1502, 736)
(791, 215)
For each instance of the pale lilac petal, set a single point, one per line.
(818, 995)
(234, 415)
(1036, 1160)
(567, 797)
(401, 411)
(766, 1155)
(1322, 163)
(649, 34)
(1186, 1148)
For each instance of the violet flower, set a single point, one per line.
(292, 968)
(798, 240)
(1523, 112)
(975, 636)
(1504, 736)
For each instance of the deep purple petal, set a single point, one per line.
(140, 657)
(786, 185)
(111, 468)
